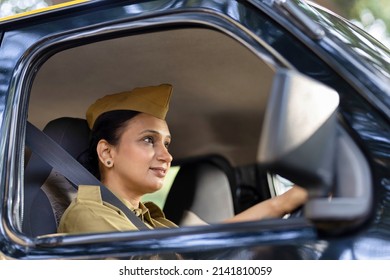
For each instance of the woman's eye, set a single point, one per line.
(149, 140)
(167, 144)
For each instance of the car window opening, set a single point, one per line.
(200, 73)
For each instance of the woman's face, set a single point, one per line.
(141, 159)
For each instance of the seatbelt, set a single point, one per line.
(63, 162)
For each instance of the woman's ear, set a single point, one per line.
(104, 152)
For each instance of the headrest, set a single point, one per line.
(70, 133)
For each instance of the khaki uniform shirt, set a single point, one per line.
(89, 213)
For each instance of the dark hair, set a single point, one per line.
(108, 126)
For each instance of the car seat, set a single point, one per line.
(46, 192)
(202, 192)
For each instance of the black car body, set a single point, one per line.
(260, 88)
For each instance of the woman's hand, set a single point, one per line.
(290, 200)
(275, 207)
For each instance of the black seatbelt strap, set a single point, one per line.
(63, 162)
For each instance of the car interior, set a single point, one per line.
(217, 119)
(220, 90)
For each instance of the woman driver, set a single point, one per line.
(129, 154)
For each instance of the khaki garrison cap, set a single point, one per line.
(153, 100)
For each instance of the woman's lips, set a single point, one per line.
(159, 171)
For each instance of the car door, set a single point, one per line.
(234, 69)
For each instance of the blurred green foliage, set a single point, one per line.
(380, 9)
(11, 7)
(371, 15)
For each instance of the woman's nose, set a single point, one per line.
(165, 155)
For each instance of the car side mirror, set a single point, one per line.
(299, 131)
(302, 141)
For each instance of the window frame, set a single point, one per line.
(37, 55)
